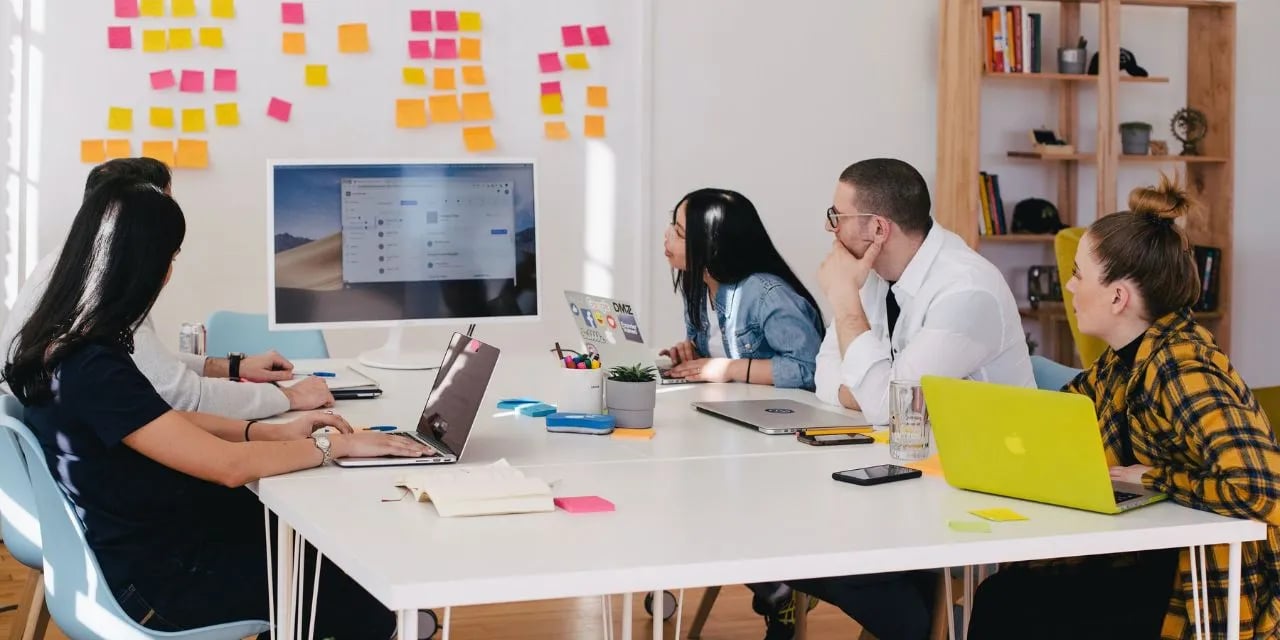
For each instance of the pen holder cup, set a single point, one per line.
(581, 391)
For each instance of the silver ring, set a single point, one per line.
(329, 411)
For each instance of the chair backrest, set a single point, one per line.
(1050, 375)
(1064, 249)
(232, 331)
(18, 516)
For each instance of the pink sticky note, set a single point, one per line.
(292, 13)
(419, 49)
(549, 62)
(584, 504)
(119, 37)
(192, 81)
(420, 20)
(447, 20)
(572, 35)
(224, 80)
(127, 8)
(279, 109)
(162, 79)
(446, 49)
(598, 36)
(550, 88)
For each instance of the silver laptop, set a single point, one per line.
(452, 405)
(778, 417)
(611, 328)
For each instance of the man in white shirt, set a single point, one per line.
(187, 382)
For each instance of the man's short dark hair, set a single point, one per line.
(893, 189)
(145, 170)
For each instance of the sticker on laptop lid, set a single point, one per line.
(473, 346)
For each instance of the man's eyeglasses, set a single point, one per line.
(833, 216)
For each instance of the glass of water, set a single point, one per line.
(909, 425)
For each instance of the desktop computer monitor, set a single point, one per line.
(396, 244)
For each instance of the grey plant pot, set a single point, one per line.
(1135, 141)
(631, 403)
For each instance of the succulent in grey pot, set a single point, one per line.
(630, 394)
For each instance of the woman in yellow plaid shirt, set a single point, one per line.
(1176, 417)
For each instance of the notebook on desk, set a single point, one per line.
(493, 489)
(345, 383)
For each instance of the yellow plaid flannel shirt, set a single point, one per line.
(1192, 419)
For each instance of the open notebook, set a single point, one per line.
(346, 383)
(480, 491)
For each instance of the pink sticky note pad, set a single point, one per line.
(419, 49)
(127, 9)
(446, 49)
(119, 37)
(584, 504)
(279, 109)
(163, 79)
(292, 13)
(447, 20)
(572, 35)
(551, 88)
(420, 20)
(598, 36)
(192, 81)
(549, 62)
(224, 80)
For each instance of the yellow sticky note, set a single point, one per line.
(473, 75)
(557, 131)
(576, 61)
(445, 79)
(154, 41)
(211, 37)
(415, 75)
(120, 119)
(478, 139)
(93, 151)
(317, 75)
(151, 8)
(411, 113)
(969, 526)
(552, 104)
(162, 117)
(184, 8)
(626, 434)
(293, 43)
(476, 106)
(469, 48)
(593, 126)
(353, 38)
(598, 97)
(161, 150)
(223, 9)
(998, 514)
(226, 114)
(469, 21)
(119, 148)
(181, 39)
(931, 466)
(445, 108)
(193, 120)
(192, 154)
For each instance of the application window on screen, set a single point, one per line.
(424, 229)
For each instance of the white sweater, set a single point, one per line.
(177, 377)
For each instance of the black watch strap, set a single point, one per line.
(233, 365)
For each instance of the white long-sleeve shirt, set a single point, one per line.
(958, 319)
(177, 377)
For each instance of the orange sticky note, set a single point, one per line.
(120, 119)
(211, 37)
(119, 148)
(293, 43)
(415, 75)
(469, 21)
(193, 120)
(473, 75)
(478, 139)
(226, 114)
(445, 108)
(445, 79)
(598, 97)
(151, 8)
(317, 75)
(411, 113)
(223, 9)
(181, 39)
(93, 151)
(154, 40)
(552, 104)
(476, 106)
(162, 117)
(576, 61)
(931, 466)
(633, 434)
(353, 38)
(192, 154)
(184, 8)
(593, 126)
(469, 48)
(161, 150)
(557, 130)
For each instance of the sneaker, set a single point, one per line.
(780, 623)
(776, 629)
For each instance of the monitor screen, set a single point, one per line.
(405, 243)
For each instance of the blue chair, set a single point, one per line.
(77, 595)
(231, 331)
(20, 523)
(1051, 375)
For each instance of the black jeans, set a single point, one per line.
(892, 606)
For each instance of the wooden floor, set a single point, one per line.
(575, 619)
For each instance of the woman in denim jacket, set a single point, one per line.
(747, 316)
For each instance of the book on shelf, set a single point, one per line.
(1013, 38)
(1208, 266)
(991, 206)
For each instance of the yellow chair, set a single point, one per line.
(1269, 400)
(1064, 249)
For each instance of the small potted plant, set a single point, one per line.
(630, 394)
(1135, 138)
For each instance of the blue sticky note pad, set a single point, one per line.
(536, 410)
(592, 423)
(515, 403)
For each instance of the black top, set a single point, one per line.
(1127, 355)
(145, 522)
(891, 303)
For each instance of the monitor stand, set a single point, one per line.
(391, 356)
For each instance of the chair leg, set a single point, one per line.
(31, 609)
(802, 615)
(704, 611)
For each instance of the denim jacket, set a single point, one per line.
(763, 318)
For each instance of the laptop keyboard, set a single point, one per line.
(1122, 496)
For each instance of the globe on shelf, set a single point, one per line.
(1189, 127)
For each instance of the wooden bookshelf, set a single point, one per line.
(1210, 80)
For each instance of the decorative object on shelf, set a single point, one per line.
(1047, 142)
(1035, 215)
(1071, 59)
(1043, 285)
(1135, 138)
(1128, 64)
(1159, 148)
(1189, 127)
(1208, 265)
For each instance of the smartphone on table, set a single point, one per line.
(827, 439)
(879, 474)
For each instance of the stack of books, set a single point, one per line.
(993, 221)
(1013, 39)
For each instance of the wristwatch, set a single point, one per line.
(322, 443)
(233, 365)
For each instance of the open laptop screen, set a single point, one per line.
(459, 389)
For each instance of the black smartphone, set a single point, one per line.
(879, 474)
(835, 438)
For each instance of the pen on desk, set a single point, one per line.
(318, 374)
(559, 351)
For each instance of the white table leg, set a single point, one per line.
(657, 614)
(271, 585)
(949, 603)
(626, 615)
(407, 624)
(1195, 591)
(1233, 591)
(680, 614)
(299, 571)
(966, 607)
(284, 580)
(448, 622)
(315, 596)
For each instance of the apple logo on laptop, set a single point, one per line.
(1015, 446)
(778, 410)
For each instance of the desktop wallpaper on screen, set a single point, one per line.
(379, 243)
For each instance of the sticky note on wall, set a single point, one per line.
(211, 37)
(598, 36)
(192, 81)
(181, 39)
(572, 35)
(126, 9)
(445, 79)
(317, 75)
(556, 130)
(353, 38)
(478, 139)
(120, 119)
(414, 75)
(469, 21)
(593, 126)
(420, 21)
(552, 104)
(476, 107)
(225, 9)
(292, 13)
(576, 61)
(119, 38)
(154, 41)
(473, 75)
(549, 62)
(152, 8)
(226, 114)
(162, 117)
(119, 148)
(598, 97)
(161, 150)
(224, 80)
(193, 121)
(446, 49)
(279, 109)
(192, 154)
(419, 49)
(293, 43)
(411, 113)
(447, 20)
(184, 8)
(469, 48)
(163, 79)
(445, 108)
(93, 151)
